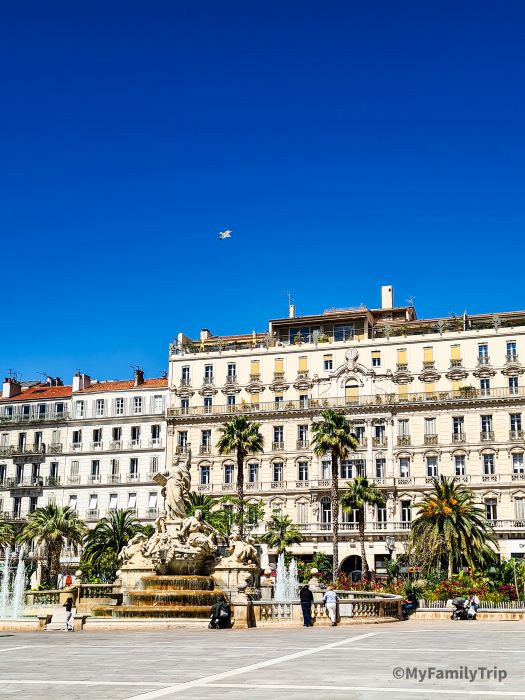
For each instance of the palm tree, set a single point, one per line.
(109, 536)
(281, 533)
(217, 516)
(243, 437)
(7, 534)
(449, 515)
(361, 493)
(52, 527)
(334, 435)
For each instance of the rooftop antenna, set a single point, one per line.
(13, 374)
(290, 298)
(410, 301)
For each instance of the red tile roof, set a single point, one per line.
(125, 385)
(41, 392)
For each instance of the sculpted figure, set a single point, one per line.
(161, 538)
(198, 534)
(177, 488)
(241, 552)
(133, 547)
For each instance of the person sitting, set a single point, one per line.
(409, 605)
(220, 615)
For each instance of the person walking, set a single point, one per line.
(68, 605)
(330, 602)
(307, 598)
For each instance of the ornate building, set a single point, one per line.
(425, 397)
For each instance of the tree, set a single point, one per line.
(103, 544)
(281, 533)
(51, 528)
(450, 516)
(361, 493)
(242, 437)
(7, 534)
(334, 435)
(212, 511)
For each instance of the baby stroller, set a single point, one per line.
(462, 609)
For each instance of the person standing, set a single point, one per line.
(330, 601)
(307, 598)
(68, 605)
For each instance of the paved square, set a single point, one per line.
(366, 661)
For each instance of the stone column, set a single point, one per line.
(390, 448)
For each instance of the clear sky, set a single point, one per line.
(346, 144)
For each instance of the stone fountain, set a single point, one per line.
(12, 589)
(177, 572)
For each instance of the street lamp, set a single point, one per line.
(390, 544)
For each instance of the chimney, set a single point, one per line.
(291, 311)
(205, 334)
(387, 297)
(139, 376)
(81, 381)
(11, 387)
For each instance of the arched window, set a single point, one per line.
(352, 391)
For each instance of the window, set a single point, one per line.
(491, 509)
(303, 400)
(432, 466)
(513, 385)
(232, 370)
(116, 435)
(77, 439)
(519, 508)
(115, 467)
(515, 422)
(517, 463)
(486, 424)
(483, 353)
(184, 406)
(95, 468)
(255, 370)
(489, 465)
(152, 500)
(113, 501)
(35, 473)
(484, 386)
(343, 332)
(205, 474)
(458, 423)
(17, 506)
(59, 409)
(207, 404)
(206, 440)
(326, 510)
(208, 374)
(379, 432)
(346, 469)
(359, 431)
(352, 392)
(381, 514)
(403, 428)
(404, 467)
(99, 407)
(132, 500)
(406, 511)
(376, 358)
(302, 435)
(302, 512)
(158, 403)
(328, 362)
(428, 357)
(459, 465)
(38, 439)
(277, 471)
(53, 471)
(119, 407)
(380, 468)
(93, 501)
(74, 468)
(231, 399)
(72, 502)
(185, 375)
(79, 409)
(4, 440)
(430, 426)
(278, 436)
(326, 469)
(97, 437)
(137, 404)
(228, 473)
(182, 438)
(253, 472)
(302, 470)
(134, 467)
(154, 464)
(155, 434)
(135, 435)
(512, 355)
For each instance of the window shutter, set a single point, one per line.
(402, 357)
(403, 390)
(428, 354)
(455, 352)
(255, 367)
(279, 365)
(255, 398)
(456, 384)
(376, 354)
(303, 364)
(430, 388)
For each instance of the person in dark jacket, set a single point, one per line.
(307, 598)
(68, 605)
(220, 615)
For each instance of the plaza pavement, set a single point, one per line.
(343, 662)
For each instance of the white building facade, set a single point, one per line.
(425, 397)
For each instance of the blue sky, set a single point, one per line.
(347, 145)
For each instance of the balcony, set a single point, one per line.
(255, 378)
(52, 481)
(403, 440)
(302, 374)
(459, 437)
(185, 381)
(97, 445)
(133, 444)
(75, 447)
(511, 358)
(486, 436)
(54, 448)
(483, 360)
(402, 366)
(489, 478)
(132, 477)
(92, 514)
(380, 441)
(516, 435)
(302, 444)
(114, 479)
(35, 449)
(73, 479)
(253, 486)
(20, 483)
(205, 449)
(278, 445)
(34, 417)
(362, 441)
(431, 439)
(231, 379)
(429, 364)
(277, 485)
(152, 513)
(204, 488)
(155, 442)
(456, 363)
(302, 484)
(278, 376)
(10, 516)
(182, 449)
(517, 476)
(207, 381)
(115, 445)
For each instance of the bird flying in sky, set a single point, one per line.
(225, 234)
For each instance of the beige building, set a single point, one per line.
(425, 397)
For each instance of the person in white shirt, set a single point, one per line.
(330, 601)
